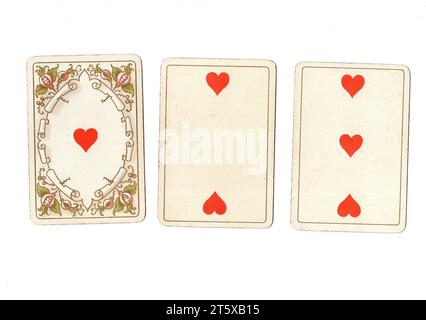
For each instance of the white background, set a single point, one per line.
(147, 260)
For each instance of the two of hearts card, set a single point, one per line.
(217, 143)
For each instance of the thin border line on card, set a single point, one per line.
(267, 144)
(137, 142)
(402, 143)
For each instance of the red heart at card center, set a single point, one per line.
(217, 82)
(349, 207)
(350, 144)
(85, 138)
(352, 84)
(214, 204)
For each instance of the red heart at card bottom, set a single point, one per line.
(214, 204)
(349, 207)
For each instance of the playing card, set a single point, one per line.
(217, 142)
(350, 147)
(86, 139)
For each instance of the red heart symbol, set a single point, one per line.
(85, 138)
(349, 206)
(214, 204)
(217, 82)
(352, 84)
(350, 144)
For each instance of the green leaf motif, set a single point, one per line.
(53, 73)
(43, 211)
(56, 208)
(40, 90)
(101, 210)
(118, 206)
(115, 72)
(129, 88)
(131, 188)
(40, 71)
(129, 208)
(128, 68)
(41, 191)
(71, 71)
(98, 69)
(73, 209)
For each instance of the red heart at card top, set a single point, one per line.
(352, 84)
(214, 204)
(217, 82)
(85, 138)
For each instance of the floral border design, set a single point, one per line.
(51, 80)
(51, 199)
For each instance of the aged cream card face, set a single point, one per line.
(86, 139)
(350, 147)
(217, 142)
